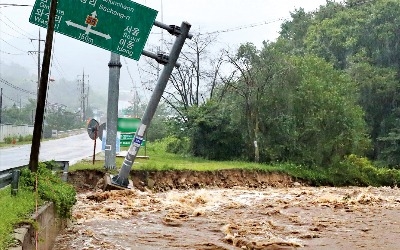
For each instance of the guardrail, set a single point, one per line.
(11, 176)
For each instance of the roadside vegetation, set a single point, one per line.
(18, 209)
(16, 140)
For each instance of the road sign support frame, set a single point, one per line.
(112, 111)
(122, 178)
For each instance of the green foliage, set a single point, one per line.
(298, 109)
(14, 210)
(359, 171)
(362, 38)
(329, 122)
(212, 133)
(27, 138)
(8, 139)
(19, 115)
(176, 145)
(62, 119)
(50, 188)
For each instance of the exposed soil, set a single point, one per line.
(159, 181)
(229, 209)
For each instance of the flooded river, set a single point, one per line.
(236, 218)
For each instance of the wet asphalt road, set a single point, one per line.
(72, 149)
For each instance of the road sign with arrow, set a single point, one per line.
(119, 26)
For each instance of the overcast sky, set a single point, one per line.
(235, 22)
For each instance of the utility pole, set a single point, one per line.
(38, 59)
(1, 102)
(83, 96)
(87, 97)
(41, 100)
(112, 111)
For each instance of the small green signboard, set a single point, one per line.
(127, 138)
(128, 125)
(119, 26)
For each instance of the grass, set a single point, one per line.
(14, 209)
(353, 171)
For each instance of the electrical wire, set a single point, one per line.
(248, 26)
(13, 45)
(16, 87)
(13, 54)
(9, 98)
(29, 35)
(12, 35)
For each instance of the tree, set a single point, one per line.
(298, 109)
(19, 115)
(379, 97)
(329, 122)
(213, 134)
(194, 82)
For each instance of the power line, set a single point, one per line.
(13, 54)
(9, 98)
(61, 68)
(12, 45)
(16, 87)
(15, 26)
(248, 26)
(12, 28)
(12, 35)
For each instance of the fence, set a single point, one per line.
(7, 130)
(11, 176)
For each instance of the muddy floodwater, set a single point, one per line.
(236, 218)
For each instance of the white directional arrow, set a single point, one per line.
(69, 23)
(90, 26)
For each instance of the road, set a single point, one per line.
(72, 149)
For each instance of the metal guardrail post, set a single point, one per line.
(65, 171)
(14, 182)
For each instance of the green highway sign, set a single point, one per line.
(119, 26)
(129, 125)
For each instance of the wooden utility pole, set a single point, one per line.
(41, 100)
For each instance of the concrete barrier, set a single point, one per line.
(49, 226)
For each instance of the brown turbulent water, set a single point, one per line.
(236, 218)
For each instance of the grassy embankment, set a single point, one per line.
(18, 209)
(352, 171)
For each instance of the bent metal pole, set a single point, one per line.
(122, 178)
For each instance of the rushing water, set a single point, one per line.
(240, 218)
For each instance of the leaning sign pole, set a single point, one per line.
(122, 178)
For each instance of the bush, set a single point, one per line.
(28, 138)
(8, 139)
(176, 145)
(360, 171)
(50, 188)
